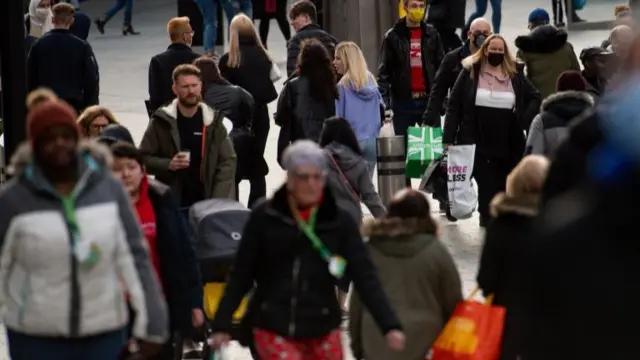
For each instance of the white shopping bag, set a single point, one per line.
(387, 129)
(462, 195)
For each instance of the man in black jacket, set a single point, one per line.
(449, 70)
(303, 16)
(410, 56)
(597, 63)
(64, 63)
(162, 65)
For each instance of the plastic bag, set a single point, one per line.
(387, 130)
(474, 332)
(462, 195)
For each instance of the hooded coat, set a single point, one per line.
(419, 277)
(362, 108)
(546, 54)
(349, 179)
(550, 128)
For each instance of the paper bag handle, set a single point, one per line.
(488, 300)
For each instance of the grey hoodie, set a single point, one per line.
(351, 182)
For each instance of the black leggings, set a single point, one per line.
(491, 176)
(281, 18)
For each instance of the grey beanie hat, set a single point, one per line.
(303, 152)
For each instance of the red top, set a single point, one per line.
(147, 219)
(415, 59)
(306, 213)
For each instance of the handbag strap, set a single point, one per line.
(343, 178)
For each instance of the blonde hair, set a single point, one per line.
(178, 26)
(91, 113)
(356, 72)
(528, 176)
(241, 24)
(38, 96)
(509, 65)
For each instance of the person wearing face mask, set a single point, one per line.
(445, 78)
(162, 65)
(40, 17)
(545, 52)
(595, 62)
(410, 56)
(449, 70)
(491, 105)
(303, 16)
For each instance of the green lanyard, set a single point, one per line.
(68, 203)
(308, 228)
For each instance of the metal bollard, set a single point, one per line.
(391, 162)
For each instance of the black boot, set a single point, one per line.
(128, 29)
(100, 23)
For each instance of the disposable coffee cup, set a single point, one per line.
(186, 155)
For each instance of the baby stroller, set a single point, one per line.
(217, 226)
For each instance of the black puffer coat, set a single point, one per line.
(294, 292)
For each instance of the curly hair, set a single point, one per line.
(314, 63)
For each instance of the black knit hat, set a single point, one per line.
(115, 133)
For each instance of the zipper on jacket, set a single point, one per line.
(294, 298)
(24, 299)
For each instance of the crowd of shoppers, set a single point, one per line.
(114, 217)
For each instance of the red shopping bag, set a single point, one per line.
(474, 332)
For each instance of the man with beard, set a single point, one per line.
(186, 144)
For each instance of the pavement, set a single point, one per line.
(124, 61)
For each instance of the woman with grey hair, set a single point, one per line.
(295, 247)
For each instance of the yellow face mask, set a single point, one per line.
(415, 15)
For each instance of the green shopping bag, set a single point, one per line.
(424, 144)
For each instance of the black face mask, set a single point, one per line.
(478, 40)
(495, 59)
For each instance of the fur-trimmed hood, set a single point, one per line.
(567, 104)
(398, 237)
(526, 205)
(170, 113)
(543, 39)
(24, 155)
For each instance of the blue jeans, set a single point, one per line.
(481, 9)
(209, 10)
(128, 10)
(105, 346)
(370, 154)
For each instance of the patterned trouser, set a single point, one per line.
(271, 346)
